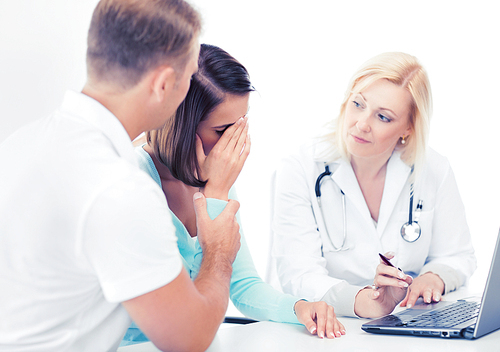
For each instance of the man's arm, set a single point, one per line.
(185, 315)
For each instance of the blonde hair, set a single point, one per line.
(405, 71)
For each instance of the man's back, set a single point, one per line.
(60, 178)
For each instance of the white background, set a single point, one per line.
(300, 55)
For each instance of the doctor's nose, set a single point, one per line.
(363, 124)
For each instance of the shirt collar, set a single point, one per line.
(90, 110)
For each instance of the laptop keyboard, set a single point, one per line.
(448, 317)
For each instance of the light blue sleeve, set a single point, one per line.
(249, 293)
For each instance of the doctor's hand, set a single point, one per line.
(319, 318)
(429, 286)
(223, 164)
(389, 288)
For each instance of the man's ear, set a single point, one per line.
(163, 82)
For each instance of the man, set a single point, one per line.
(86, 240)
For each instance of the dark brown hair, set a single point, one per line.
(175, 144)
(127, 38)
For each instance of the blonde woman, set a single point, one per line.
(372, 186)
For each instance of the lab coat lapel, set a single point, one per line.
(345, 178)
(396, 177)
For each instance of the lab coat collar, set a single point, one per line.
(345, 178)
(93, 112)
(396, 178)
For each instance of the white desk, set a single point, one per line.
(273, 337)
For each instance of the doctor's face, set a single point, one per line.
(375, 120)
(224, 116)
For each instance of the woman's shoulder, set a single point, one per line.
(436, 167)
(310, 152)
(302, 158)
(146, 163)
(436, 162)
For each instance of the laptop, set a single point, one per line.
(468, 318)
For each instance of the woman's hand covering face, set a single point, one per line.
(223, 164)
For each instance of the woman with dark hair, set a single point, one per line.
(204, 148)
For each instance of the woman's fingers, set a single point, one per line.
(334, 328)
(239, 134)
(319, 318)
(230, 136)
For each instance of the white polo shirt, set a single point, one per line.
(82, 229)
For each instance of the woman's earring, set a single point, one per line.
(403, 140)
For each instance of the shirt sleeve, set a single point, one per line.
(342, 297)
(249, 293)
(130, 241)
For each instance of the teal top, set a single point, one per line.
(248, 292)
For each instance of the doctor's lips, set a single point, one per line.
(360, 140)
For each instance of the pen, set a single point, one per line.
(387, 262)
(418, 210)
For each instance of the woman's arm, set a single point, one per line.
(259, 300)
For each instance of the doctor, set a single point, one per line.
(371, 186)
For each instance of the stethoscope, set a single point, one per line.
(317, 190)
(410, 231)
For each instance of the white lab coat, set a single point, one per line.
(306, 262)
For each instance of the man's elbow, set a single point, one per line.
(189, 342)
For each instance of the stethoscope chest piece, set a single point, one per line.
(410, 231)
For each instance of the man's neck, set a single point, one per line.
(125, 105)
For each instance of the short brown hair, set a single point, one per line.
(127, 38)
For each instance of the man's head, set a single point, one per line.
(128, 38)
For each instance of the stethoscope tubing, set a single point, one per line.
(317, 190)
(404, 227)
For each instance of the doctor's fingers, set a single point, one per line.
(412, 295)
(390, 271)
(429, 295)
(382, 280)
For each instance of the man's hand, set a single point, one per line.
(219, 238)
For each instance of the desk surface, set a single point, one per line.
(269, 336)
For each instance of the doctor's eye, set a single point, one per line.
(384, 118)
(356, 104)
